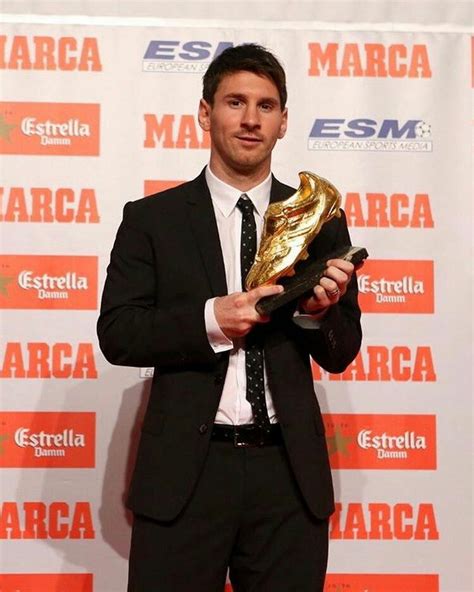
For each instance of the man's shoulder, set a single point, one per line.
(165, 203)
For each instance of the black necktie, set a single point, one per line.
(253, 350)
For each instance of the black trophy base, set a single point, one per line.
(307, 276)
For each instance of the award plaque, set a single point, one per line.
(289, 228)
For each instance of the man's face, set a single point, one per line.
(245, 122)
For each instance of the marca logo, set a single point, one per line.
(380, 363)
(48, 360)
(379, 210)
(62, 129)
(153, 186)
(47, 439)
(381, 583)
(26, 52)
(379, 521)
(357, 441)
(179, 56)
(174, 131)
(43, 204)
(46, 582)
(48, 282)
(386, 135)
(369, 59)
(39, 520)
(390, 286)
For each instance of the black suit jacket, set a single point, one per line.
(165, 263)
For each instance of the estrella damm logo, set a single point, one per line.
(152, 186)
(381, 441)
(371, 60)
(46, 204)
(381, 583)
(48, 282)
(388, 210)
(174, 131)
(52, 129)
(38, 582)
(181, 56)
(46, 520)
(47, 439)
(396, 286)
(44, 52)
(367, 134)
(380, 363)
(375, 521)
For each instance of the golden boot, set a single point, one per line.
(289, 228)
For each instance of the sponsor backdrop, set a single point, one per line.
(93, 116)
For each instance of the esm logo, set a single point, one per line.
(386, 135)
(179, 56)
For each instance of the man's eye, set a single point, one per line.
(235, 103)
(266, 106)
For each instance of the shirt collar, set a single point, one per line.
(225, 197)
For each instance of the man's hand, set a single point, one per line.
(330, 289)
(236, 313)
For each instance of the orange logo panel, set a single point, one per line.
(48, 282)
(155, 186)
(357, 441)
(377, 583)
(390, 286)
(381, 583)
(47, 439)
(53, 129)
(45, 582)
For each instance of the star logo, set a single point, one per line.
(5, 129)
(339, 443)
(4, 281)
(3, 438)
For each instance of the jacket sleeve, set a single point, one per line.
(336, 342)
(133, 329)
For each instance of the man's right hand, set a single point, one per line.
(236, 313)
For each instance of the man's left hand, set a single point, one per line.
(332, 286)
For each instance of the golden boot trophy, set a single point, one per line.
(289, 228)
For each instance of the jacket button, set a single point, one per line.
(203, 428)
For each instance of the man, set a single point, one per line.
(227, 475)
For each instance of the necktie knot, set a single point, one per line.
(245, 205)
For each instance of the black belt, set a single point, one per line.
(247, 435)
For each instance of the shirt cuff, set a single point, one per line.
(308, 321)
(217, 339)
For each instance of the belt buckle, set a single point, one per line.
(255, 440)
(238, 443)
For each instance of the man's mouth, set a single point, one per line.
(252, 139)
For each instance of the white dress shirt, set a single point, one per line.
(234, 408)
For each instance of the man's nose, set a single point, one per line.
(251, 116)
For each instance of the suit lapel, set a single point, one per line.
(279, 191)
(204, 228)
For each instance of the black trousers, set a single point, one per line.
(246, 515)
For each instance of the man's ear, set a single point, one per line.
(283, 125)
(204, 115)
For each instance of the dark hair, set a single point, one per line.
(250, 58)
